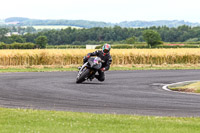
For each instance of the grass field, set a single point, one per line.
(34, 121)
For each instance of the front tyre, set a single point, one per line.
(83, 75)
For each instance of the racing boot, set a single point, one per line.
(96, 76)
(92, 77)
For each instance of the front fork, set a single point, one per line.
(92, 72)
(81, 70)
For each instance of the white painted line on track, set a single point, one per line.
(165, 87)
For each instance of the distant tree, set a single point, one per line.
(2, 45)
(131, 40)
(41, 41)
(98, 35)
(152, 37)
(76, 43)
(17, 38)
(3, 32)
(192, 40)
(30, 30)
(30, 37)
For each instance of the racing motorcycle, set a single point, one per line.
(88, 70)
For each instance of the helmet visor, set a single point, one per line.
(105, 51)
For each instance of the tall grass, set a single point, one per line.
(120, 56)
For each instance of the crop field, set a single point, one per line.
(120, 56)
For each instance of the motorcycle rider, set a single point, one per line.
(104, 54)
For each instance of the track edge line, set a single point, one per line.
(165, 87)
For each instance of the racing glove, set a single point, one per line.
(88, 56)
(103, 69)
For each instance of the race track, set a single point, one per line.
(123, 92)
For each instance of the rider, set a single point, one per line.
(104, 54)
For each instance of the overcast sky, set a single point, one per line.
(103, 10)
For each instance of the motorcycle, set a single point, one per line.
(88, 70)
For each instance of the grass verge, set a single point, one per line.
(187, 87)
(36, 69)
(117, 67)
(28, 120)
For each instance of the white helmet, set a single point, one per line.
(106, 48)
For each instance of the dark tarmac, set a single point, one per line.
(123, 92)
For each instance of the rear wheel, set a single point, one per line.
(83, 75)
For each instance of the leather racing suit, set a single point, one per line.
(105, 65)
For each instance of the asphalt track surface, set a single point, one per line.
(123, 92)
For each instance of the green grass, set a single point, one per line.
(50, 69)
(190, 87)
(37, 69)
(27, 120)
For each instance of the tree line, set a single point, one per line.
(99, 35)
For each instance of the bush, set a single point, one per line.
(100, 46)
(65, 46)
(17, 46)
(131, 40)
(143, 46)
(198, 42)
(167, 46)
(2, 45)
(77, 43)
(118, 46)
(122, 46)
(192, 40)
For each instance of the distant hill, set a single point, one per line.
(168, 23)
(89, 24)
(16, 19)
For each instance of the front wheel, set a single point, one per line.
(83, 75)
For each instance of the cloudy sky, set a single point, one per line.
(103, 10)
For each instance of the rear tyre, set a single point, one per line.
(83, 76)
